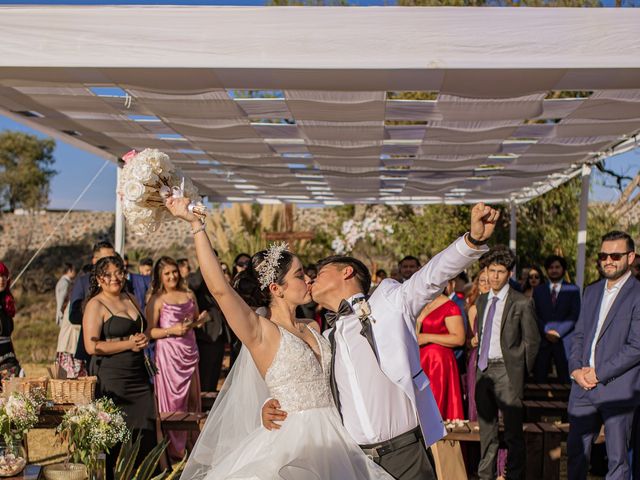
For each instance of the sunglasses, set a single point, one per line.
(242, 264)
(602, 256)
(534, 277)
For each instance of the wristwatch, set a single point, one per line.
(477, 243)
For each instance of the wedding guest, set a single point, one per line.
(113, 331)
(535, 278)
(240, 264)
(9, 366)
(138, 285)
(63, 290)
(145, 266)
(557, 305)
(184, 266)
(455, 291)
(125, 260)
(226, 271)
(440, 329)
(81, 291)
(407, 267)
(508, 337)
(210, 337)
(69, 334)
(173, 314)
(480, 286)
(635, 269)
(605, 362)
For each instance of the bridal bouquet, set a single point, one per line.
(148, 179)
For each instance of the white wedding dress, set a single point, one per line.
(311, 444)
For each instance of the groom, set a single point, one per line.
(377, 382)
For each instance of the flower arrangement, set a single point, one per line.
(92, 429)
(353, 231)
(18, 414)
(148, 179)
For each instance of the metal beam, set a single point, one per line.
(582, 226)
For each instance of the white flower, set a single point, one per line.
(133, 191)
(143, 172)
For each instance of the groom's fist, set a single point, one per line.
(483, 221)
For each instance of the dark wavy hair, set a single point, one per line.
(99, 269)
(499, 255)
(246, 284)
(250, 277)
(156, 276)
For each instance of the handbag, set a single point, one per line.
(149, 364)
(449, 463)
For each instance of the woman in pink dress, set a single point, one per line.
(172, 313)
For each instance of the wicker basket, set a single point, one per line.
(26, 386)
(79, 391)
(61, 471)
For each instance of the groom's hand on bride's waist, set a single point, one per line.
(271, 414)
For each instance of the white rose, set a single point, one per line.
(133, 191)
(143, 172)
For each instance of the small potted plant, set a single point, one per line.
(89, 430)
(18, 414)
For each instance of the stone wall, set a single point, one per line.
(27, 232)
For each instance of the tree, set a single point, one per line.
(25, 170)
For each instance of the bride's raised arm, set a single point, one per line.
(242, 319)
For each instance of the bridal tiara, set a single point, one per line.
(267, 270)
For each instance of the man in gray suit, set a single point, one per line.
(508, 344)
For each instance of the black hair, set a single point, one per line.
(463, 276)
(148, 261)
(381, 271)
(527, 282)
(410, 257)
(619, 235)
(99, 269)
(182, 261)
(239, 256)
(248, 287)
(234, 268)
(69, 267)
(100, 245)
(551, 259)
(499, 255)
(360, 270)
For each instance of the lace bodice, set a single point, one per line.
(295, 376)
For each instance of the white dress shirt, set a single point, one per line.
(495, 350)
(556, 286)
(608, 297)
(368, 395)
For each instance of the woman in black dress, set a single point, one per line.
(113, 329)
(9, 366)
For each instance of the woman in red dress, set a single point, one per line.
(440, 330)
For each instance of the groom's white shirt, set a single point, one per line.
(386, 396)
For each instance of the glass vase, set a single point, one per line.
(13, 456)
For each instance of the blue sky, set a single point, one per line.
(76, 167)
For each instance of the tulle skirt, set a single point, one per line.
(310, 445)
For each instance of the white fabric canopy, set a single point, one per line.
(494, 128)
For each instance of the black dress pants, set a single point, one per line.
(494, 393)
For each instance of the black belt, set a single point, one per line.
(377, 450)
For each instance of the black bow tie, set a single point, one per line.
(343, 309)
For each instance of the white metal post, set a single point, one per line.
(119, 234)
(582, 226)
(513, 230)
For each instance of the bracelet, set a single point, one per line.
(473, 241)
(201, 228)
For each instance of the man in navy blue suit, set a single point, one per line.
(605, 362)
(557, 309)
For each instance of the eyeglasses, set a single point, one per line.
(119, 274)
(602, 256)
(535, 276)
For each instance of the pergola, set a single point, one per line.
(305, 105)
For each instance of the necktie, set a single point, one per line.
(483, 361)
(343, 309)
(554, 296)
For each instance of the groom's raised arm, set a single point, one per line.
(428, 282)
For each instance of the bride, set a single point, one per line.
(284, 358)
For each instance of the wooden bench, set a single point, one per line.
(542, 410)
(533, 438)
(207, 399)
(188, 421)
(547, 391)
